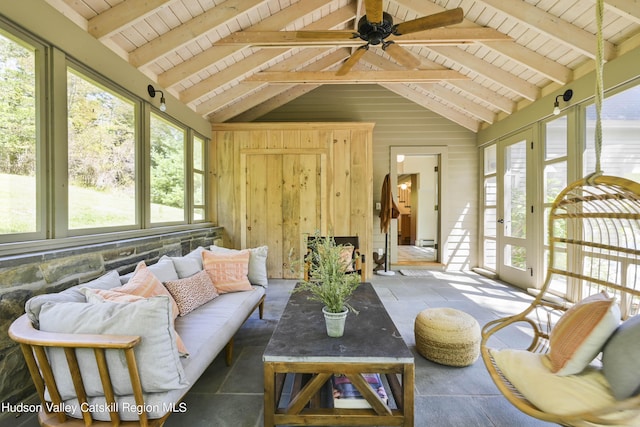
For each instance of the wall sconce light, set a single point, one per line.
(400, 158)
(152, 93)
(566, 97)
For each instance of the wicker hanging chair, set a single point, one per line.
(594, 246)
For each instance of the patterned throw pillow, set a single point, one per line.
(228, 271)
(581, 333)
(191, 292)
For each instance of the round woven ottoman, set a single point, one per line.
(447, 336)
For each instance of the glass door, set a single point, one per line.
(515, 213)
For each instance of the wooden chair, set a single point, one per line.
(357, 259)
(594, 246)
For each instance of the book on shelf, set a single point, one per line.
(346, 395)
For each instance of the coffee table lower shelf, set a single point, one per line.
(305, 406)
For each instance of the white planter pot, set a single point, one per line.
(335, 322)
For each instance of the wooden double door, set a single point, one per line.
(279, 182)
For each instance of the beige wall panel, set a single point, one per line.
(361, 186)
(277, 259)
(342, 182)
(258, 221)
(227, 202)
(292, 238)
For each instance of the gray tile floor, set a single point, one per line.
(445, 396)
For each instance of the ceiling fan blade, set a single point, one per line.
(352, 60)
(403, 56)
(437, 20)
(373, 9)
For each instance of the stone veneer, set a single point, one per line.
(24, 276)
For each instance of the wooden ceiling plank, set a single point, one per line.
(190, 30)
(356, 77)
(242, 89)
(552, 26)
(530, 59)
(629, 9)
(269, 91)
(489, 71)
(286, 96)
(431, 104)
(121, 15)
(217, 53)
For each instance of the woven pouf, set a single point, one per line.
(447, 336)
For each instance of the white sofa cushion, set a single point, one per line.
(156, 355)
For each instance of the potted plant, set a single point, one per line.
(329, 280)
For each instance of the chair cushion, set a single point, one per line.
(581, 332)
(621, 359)
(529, 373)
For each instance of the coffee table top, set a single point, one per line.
(369, 336)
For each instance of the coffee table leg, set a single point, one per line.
(408, 385)
(269, 395)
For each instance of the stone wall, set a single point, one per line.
(24, 276)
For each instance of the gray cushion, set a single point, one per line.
(73, 294)
(257, 263)
(186, 266)
(621, 359)
(163, 270)
(156, 355)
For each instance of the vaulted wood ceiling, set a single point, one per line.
(201, 51)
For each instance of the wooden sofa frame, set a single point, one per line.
(33, 343)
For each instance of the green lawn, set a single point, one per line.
(91, 208)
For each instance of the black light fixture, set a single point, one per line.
(152, 93)
(566, 97)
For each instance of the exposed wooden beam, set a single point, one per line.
(244, 88)
(190, 30)
(489, 71)
(121, 15)
(278, 21)
(440, 36)
(552, 26)
(357, 77)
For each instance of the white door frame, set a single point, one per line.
(441, 152)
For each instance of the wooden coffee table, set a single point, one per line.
(371, 343)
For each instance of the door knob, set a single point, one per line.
(501, 221)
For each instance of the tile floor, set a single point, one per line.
(445, 396)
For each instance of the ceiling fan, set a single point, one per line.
(376, 25)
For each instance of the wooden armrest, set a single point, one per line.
(22, 331)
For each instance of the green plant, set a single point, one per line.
(329, 282)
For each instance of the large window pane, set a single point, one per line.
(102, 190)
(18, 180)
(620, 130)
(198, 179)
(515, 178)
(167, 171)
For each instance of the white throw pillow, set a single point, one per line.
(156, 355)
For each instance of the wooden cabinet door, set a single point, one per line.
(284, 202)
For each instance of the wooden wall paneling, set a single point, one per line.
(291, 236)
(277, 260)
(226, 203)
(361, 179)
(341, 182)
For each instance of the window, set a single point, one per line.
(167, 171)
(620, 130)
(101, 155)
(489, 242)
(20, 209)
(555, 179)
(199, 180)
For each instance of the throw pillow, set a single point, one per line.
(257, 263)
(581, 332)
(186, 266)
(156, 354)
(192, 292)
(621, 359)
(346, 256)
(228, 272)
(73, 294)
(145, 284)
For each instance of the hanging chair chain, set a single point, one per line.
(599, 84)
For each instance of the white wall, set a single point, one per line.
(402, 123)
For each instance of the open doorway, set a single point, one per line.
(416, 183)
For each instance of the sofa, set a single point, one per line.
(126, 349)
